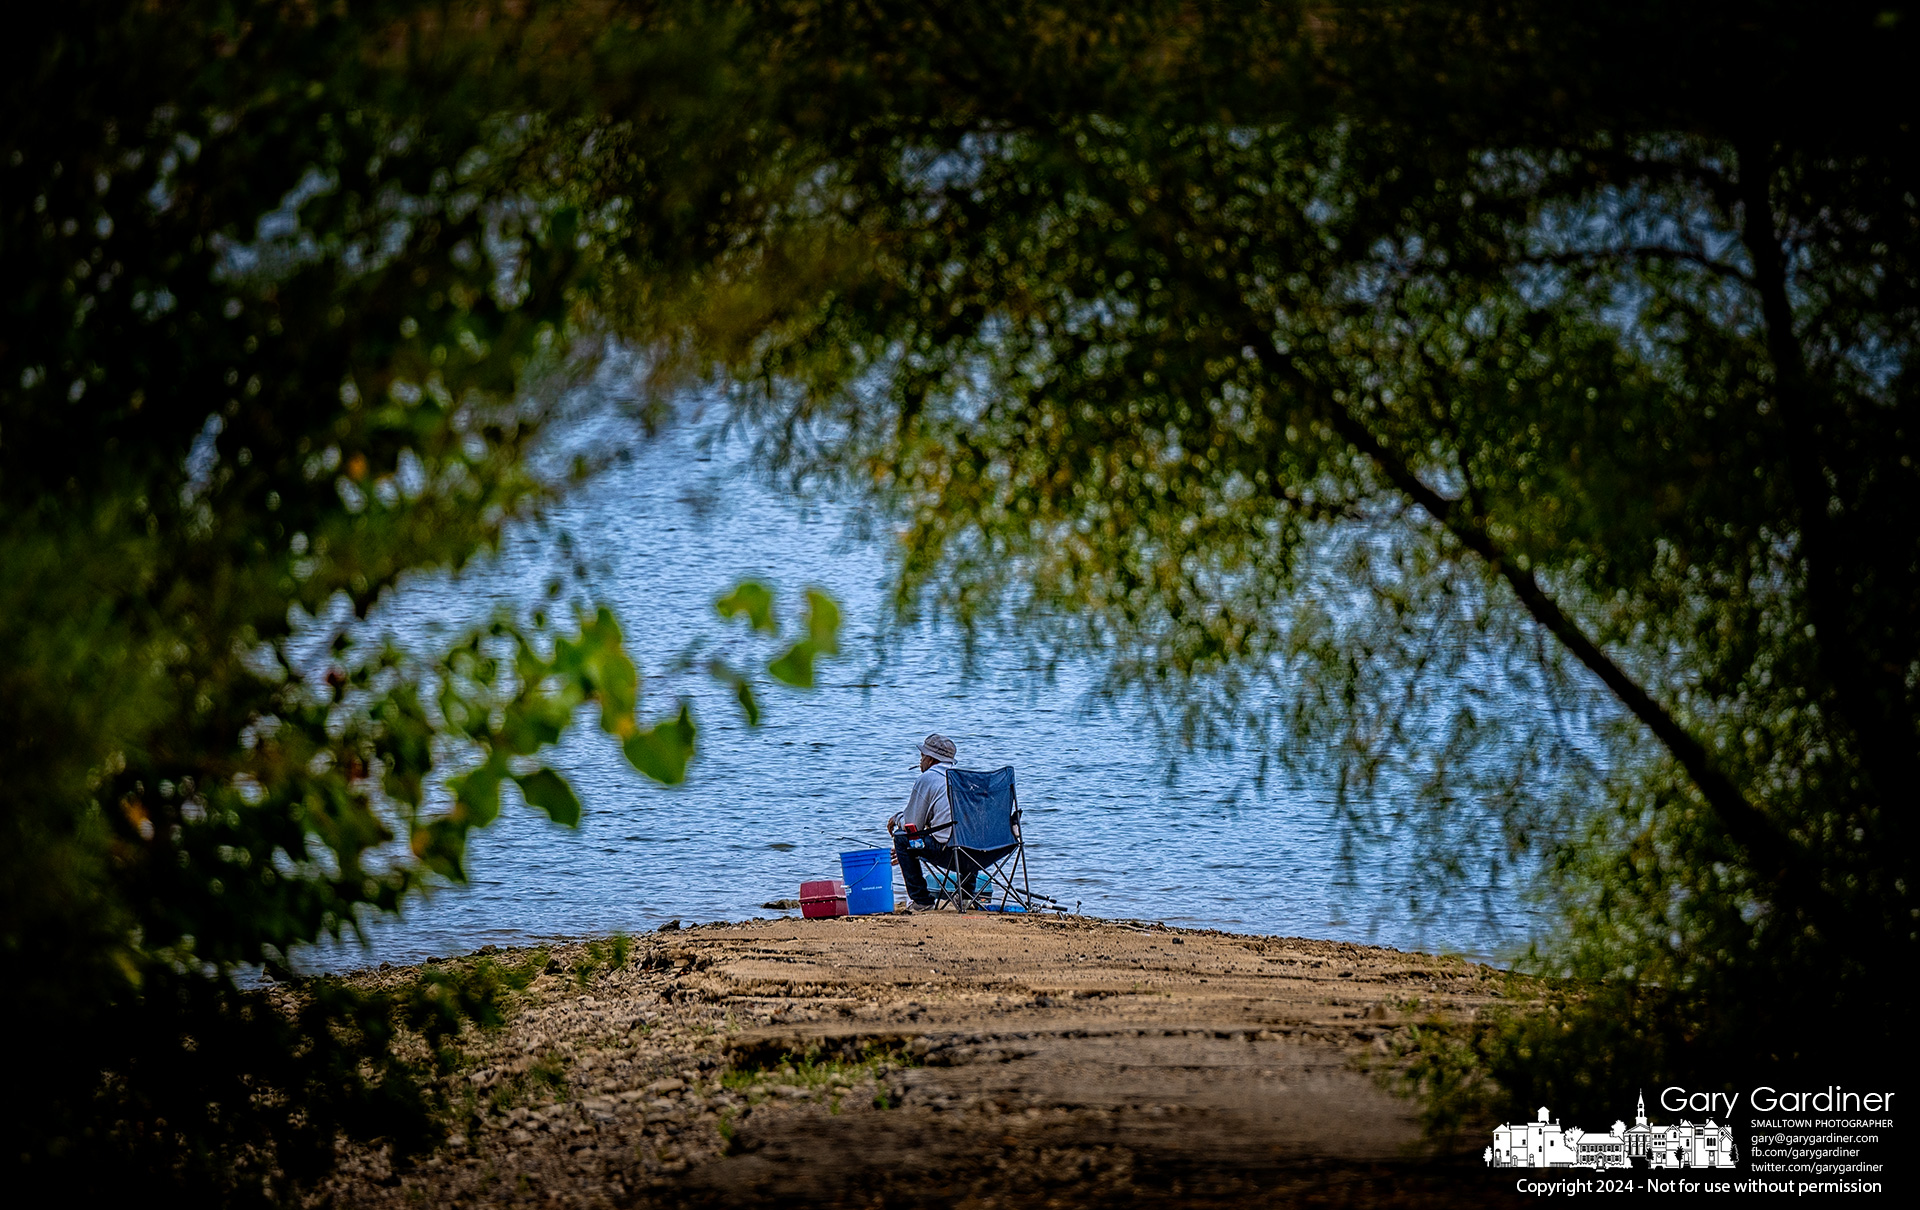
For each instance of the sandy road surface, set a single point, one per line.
(941, 1060)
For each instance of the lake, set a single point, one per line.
(764, 808)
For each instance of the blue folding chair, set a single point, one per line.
(989, 855)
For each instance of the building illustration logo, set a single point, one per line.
(1545, 1144)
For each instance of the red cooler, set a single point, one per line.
(825, 897)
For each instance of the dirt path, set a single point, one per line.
(936, 1059)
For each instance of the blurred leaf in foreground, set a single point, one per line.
(292, 295)
(755, 600)
(548, 791)
(795, 665)
(663, 750)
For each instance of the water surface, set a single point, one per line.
(768, 807)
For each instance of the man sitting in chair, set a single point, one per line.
(923, 831)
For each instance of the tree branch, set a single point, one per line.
(1868, 702)
(1774, 853)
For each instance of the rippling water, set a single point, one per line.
(766, 808)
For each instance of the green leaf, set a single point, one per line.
(823, 622)
(610, 676)
(663, 750)
(742, 690)
(749, 705)
(795, 667)
(457, 709)
(527, 664)
(441, 844)
(754, 599)
(549, 792)
(477, 794)
(529, 725)
(405, 744)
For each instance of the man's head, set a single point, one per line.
(937, 749)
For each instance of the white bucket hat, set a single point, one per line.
(940, 748)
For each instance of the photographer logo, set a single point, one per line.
(1544, 1143)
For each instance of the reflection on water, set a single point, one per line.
(769, 807)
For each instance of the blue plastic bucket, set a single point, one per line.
(868, 874)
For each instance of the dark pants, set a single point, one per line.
(930, 851)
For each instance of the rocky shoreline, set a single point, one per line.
(939, 1059)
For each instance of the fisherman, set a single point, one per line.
(924, 831)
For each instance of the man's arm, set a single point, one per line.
(919, 805)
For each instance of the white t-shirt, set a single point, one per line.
(927, 805)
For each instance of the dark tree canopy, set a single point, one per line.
(1323, 364)
(294, 294)
(1333, 368)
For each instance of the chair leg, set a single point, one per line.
(1000, 876)
(1006, 879)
